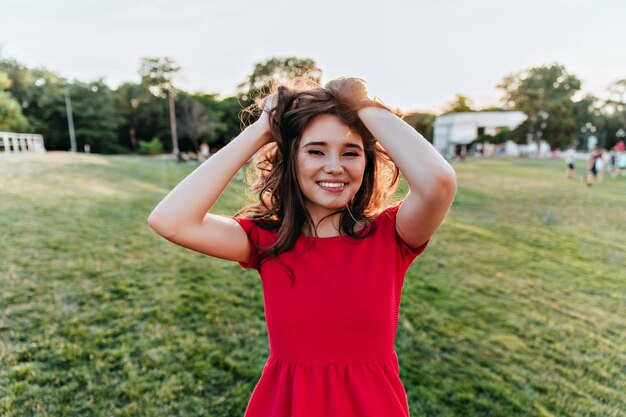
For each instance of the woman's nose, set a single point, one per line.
(333, 166)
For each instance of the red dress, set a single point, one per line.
(332, 334)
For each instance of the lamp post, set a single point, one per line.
(175, 149)
(70, 119)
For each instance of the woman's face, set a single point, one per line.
(330, 164)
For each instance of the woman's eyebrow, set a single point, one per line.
(315, 143)
(322, 143)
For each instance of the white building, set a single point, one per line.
(11, 143)
(453, 132)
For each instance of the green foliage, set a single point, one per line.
(544, 94)
(461, 104)
(516, 309)
(35, 90)
(156, 74)
(614, 114)
(617, 99)
(502, 136)
(143, 115)
(277, 69)
(422, 122)
(492, 108)
(129, 96)
(5, 82)
(11, 117)
(154, 147)
(96, 119)
(197, 122)
(230, 116)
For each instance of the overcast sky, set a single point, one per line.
(413, 54)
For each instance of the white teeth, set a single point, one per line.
(332, 184)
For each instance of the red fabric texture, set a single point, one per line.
(332, 334)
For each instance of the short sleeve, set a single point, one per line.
(406, 252)
(252, 231)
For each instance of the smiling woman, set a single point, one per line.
(331, 253)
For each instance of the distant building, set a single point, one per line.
(453, 132)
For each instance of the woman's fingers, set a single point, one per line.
(269, 103)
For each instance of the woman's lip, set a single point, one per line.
(333, 189)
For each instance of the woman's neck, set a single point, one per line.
(325, 226)
(329, 226)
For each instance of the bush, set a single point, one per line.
(154, 147)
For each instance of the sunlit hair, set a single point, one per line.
(281, 205)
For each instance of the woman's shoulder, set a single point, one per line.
(385, 219)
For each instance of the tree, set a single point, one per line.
(276, 69)
(129, 97)
(27, 87)
(96, 119)
(461, 104)
(617, 100)
(611, 115)
(544, 94)
(228, 112)
(11, 117)
(422, 122)
(156, 76)
(196, 121)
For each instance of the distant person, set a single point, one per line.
(203, 155)
(331, 250)
(621, 163)
(570, 157)
(595, 165)
(592, 172)
(600, 164)
(613, 161)
(620, 150)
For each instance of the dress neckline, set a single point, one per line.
(338, 237)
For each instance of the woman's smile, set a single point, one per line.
(332, 186)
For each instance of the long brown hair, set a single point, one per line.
(281, 205)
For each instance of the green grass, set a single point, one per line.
(518, 307)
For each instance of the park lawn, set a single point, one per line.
(517, 308)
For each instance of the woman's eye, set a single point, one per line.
(351, 154)
(315, 152)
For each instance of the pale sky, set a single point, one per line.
(414, 54)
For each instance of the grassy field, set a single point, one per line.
(517, 308)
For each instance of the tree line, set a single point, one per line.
(134, 117)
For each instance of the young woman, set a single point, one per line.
(332, 254)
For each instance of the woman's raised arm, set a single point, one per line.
(182, 217)
(432, 181)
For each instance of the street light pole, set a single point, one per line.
(70, 119)
(173, 124)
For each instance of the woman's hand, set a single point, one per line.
(264, 121)
(352, 91)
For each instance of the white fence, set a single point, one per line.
(21, 143)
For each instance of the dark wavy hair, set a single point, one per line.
(281, 205)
